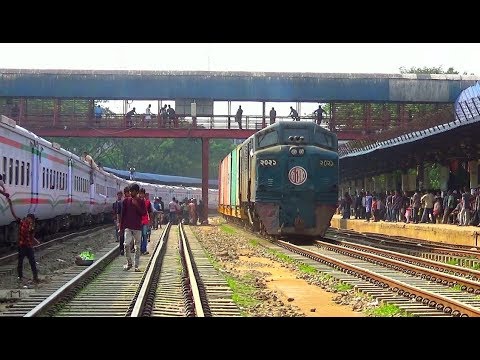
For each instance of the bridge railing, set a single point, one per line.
(76, 121)
(407, 130)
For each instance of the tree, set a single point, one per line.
(429, 70)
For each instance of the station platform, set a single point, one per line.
(441, 233)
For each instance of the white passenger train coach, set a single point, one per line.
(58, 186)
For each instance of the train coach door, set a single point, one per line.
(35, 176)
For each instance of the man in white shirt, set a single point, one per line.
(148, 115)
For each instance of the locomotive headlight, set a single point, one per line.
(293, 151)
(301, 151)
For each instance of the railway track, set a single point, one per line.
(178, 280)
(418, 291)
(8, 263)
(459, 254)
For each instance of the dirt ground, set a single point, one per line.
(283, 282)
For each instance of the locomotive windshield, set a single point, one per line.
(289, 135)
(267, 139)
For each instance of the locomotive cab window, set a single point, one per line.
(267, 138)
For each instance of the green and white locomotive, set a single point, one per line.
(283, 180)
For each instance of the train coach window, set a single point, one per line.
(17, 169)
(10, 171)
(22, 173)
(28, 174)
(43, 178)
(4, 169)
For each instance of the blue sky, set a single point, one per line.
(277, 57)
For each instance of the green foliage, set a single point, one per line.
(427, 70)
(87, 255)
(227, 229)
(386, 310)
(281, 256)
(430, 70)
(307, 269)
(433, 175)
(254, 242)
(453, 262)
(243, 293)
(180, 157)
(457, 287)
(343, 287)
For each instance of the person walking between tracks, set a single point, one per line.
(133, 209)
(117, 211)
(238, 117)
(145, 221)
(26, 242)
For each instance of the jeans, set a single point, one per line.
(143, 246)
(427, 215)
(29, 253)
(120, 237)
(132, 235)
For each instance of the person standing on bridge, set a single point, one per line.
(128, 117)
(294, 114)
(148, 115)
(238, 117)
(273, 115)
(98, 114)
(318, 114)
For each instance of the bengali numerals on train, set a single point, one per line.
(268, 162)
(327, 163)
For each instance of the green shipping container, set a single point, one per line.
(234, 179)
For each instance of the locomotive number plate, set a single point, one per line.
(329, 163)
(297, 175)
(268, 162)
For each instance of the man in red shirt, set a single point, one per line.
(133, 209)
(26, 242)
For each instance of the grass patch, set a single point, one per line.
(386, 310)
(343, 287)
(242, 292)
(308, 269)
(453, 262)
(281, 256)
(325, 277)
(228, 229)
(457, 287)
(254, 242)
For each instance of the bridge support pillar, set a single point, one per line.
(205, 157)
(473, 168)
(263, 115)
(444, 175)
(405, 182)
(367, 184)
(388, 181)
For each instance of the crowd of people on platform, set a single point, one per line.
(458, 207)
